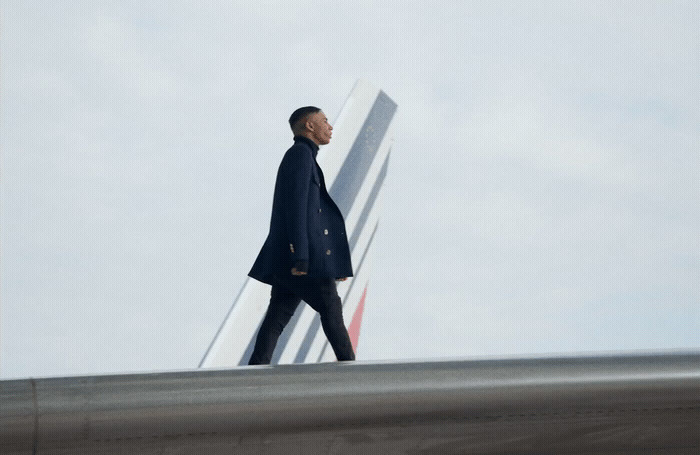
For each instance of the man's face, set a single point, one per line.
(321, 130)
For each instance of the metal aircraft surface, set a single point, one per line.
(627, 404)
(638, 403)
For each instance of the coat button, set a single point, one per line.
(319, 210)
(328, 252)
(325, 231)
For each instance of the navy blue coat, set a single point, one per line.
(306, 227)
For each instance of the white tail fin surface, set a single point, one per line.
(355, 164)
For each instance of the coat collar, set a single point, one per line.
(309, 142)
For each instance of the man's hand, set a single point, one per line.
(341, 279)
(300, 268)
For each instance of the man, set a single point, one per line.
(307, 249)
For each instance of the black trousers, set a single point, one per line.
(322, 296)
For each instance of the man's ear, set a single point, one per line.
(309, 125)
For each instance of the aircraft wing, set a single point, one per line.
(621, 404)
(354, 165)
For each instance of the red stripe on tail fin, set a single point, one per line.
(354, 327)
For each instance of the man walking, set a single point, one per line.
(306, 250)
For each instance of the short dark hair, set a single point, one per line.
(301, 113)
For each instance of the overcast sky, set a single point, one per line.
(543, 194)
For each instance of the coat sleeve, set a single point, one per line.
(298, 171)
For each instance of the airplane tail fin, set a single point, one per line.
(355, 165)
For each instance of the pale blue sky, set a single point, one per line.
(543, 193)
